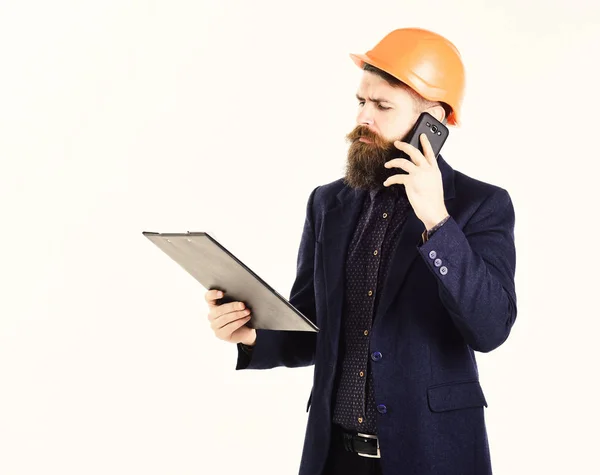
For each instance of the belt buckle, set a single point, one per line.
(369, 436)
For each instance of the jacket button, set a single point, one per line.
(376, 356)
(382, 409)
(432, 254)
(437, 262)
(443, 270)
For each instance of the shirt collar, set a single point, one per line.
(393, 190)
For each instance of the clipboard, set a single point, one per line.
(214, 267)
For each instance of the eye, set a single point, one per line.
(361, 103)
(383, 108)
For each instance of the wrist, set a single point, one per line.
(251, 341)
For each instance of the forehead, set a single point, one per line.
(375, 88)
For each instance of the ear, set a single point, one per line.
(438, 112)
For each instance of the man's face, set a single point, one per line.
(385, 114)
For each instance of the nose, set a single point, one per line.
(364, 117)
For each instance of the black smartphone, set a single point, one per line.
(436, 132)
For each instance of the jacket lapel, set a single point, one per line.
(339, 223)
(405, 252)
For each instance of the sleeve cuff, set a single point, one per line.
(429, 232)
(246, 349)
(244, 356)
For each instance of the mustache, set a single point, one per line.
(361, 131)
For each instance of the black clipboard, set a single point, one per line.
(213, 266)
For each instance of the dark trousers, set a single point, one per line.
(342, 462)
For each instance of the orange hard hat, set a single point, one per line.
(427, 62)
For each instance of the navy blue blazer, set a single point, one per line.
(443, 300)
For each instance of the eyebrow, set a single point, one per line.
(374, 99)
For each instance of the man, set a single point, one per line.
(407, 267)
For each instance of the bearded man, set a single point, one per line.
(407, 267)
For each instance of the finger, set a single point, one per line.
(231, 307)
(396, 180)
(225, 320)
(427, 149)
(414, 153)
(225, 332)
(403, 163)
(212, 295)
(225, 309)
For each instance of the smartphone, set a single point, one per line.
(436, 132)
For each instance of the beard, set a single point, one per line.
(365, 166)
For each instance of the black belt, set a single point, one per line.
(365, 445)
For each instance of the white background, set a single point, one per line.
(122, 117)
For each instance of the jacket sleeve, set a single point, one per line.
(475, 270)
(290, 348)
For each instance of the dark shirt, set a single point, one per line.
(380, 222)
